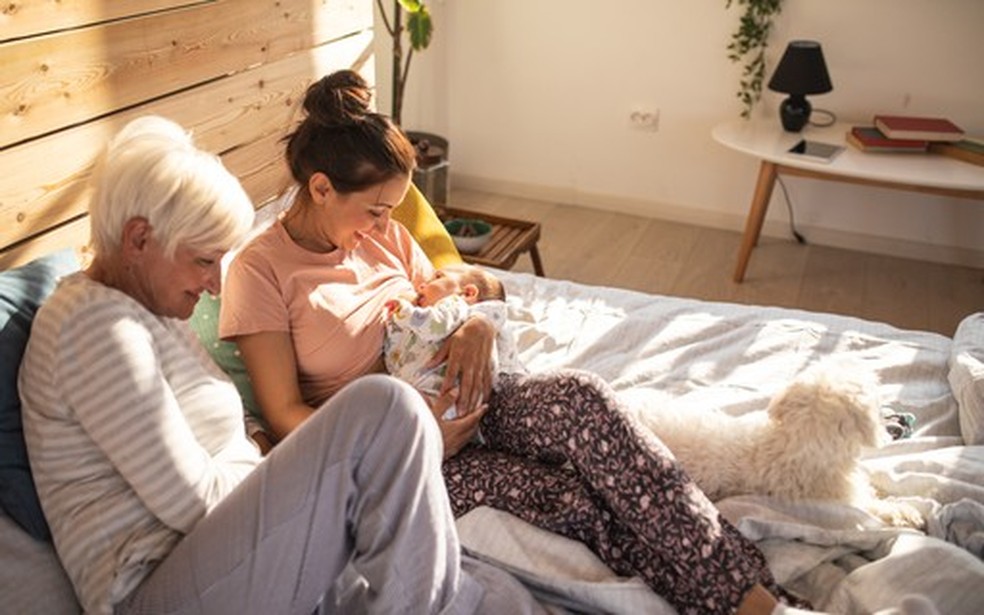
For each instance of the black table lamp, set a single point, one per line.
(801, 71)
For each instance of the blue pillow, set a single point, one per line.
(21, 292)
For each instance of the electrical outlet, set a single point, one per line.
(644, 119)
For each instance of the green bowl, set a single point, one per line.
(469, 235)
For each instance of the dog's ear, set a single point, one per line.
(833, 399)
(861, 419)
(793, 403)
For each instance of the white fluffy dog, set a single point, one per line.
(806, 446)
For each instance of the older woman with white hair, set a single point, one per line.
(157, 500)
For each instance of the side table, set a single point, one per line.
(510, 238)
(926, 173)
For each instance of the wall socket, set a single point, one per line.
(644, 119)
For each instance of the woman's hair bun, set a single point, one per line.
(339, 99)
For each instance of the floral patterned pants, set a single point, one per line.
(560, 454)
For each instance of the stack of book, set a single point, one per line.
(898, 133)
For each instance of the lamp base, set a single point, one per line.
(794, 112)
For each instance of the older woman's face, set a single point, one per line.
(171, 287)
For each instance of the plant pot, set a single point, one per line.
(432, 175)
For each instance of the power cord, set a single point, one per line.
(831, 118)
(789, 207)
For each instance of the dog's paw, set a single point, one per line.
(897, 513)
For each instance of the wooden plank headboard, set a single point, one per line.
(232, 71)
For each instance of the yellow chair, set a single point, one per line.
(418, 216)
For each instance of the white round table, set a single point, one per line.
(767, 141)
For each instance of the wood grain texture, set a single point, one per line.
(68, 77)
(44, 180)
(21, 18)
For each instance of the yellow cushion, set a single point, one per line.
(418, 216)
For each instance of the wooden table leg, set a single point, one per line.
(535, 257)
(756, 216)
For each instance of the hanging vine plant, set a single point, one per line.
(748, 44)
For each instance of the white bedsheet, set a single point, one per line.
(734, 358)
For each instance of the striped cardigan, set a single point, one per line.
(132, 432)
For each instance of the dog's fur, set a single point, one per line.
(806, 446)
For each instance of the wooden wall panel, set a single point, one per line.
(68, 77)
(75, 234)
(31, 17)
(40, 190)
(240, 114)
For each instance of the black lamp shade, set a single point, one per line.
(801, 71)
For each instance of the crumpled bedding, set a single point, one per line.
(732, 357)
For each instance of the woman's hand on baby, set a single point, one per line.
(458, 431)
(468, 352)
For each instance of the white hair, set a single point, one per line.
(152, 170)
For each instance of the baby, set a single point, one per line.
(416, 328)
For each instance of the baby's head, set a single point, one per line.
(473, 283)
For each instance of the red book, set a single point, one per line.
(923, 128)
(870, 139)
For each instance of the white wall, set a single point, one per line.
(535, 96)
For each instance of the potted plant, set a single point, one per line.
(748, 44)
(417, 30)
(410, 23)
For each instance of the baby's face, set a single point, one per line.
(443, 283)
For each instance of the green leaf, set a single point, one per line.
(748, 43)
(412, 6)
(420, 27)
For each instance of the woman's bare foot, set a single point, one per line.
(758, 601)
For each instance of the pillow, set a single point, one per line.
(418, 216)
(205, 323)
(414, 212)
(21, 292)
(966, 376)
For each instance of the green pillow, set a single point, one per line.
(205, 323)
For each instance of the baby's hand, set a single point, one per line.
(393, 305)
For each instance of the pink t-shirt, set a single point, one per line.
(331, 304)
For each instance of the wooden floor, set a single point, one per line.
(612, 249)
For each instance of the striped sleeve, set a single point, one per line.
(110, 366)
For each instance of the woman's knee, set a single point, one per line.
(383, 400)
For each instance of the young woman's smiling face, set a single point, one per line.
(356, 214)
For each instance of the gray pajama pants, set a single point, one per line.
(358, 487)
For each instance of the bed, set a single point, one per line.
(696, 354)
